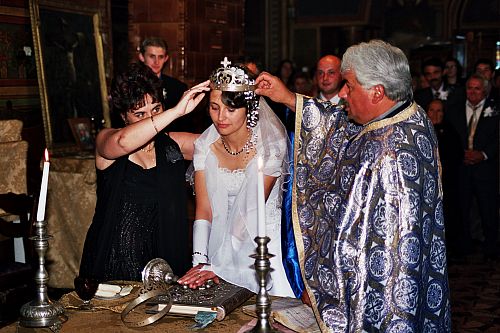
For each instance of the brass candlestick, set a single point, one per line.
(42, 311)
(263, 302)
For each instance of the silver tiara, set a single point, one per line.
(231, 78)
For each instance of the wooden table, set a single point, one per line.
(109, 319)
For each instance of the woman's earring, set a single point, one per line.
(252, 118)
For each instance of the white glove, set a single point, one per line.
(201, 235)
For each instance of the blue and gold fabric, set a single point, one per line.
(368, 220)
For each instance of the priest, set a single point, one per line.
(367, 201)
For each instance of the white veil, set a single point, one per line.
(233, 232)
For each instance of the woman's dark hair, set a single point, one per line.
(240, 99)
(234, 99)
(457, 64)
(436, 100)
(277, 73)
(131, 85)
(243, 99)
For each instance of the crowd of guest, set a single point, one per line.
(470, 105)
(468, 141)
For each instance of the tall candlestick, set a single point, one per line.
(261, 200)
(42, 201)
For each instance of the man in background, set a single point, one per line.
(477, 122)
(249, 62)
(450, 94)
(329, 82)
(329, 78)
(154, 53)
(485, 66)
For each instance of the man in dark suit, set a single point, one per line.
(477, 122)
(154, 53)
(450, 94)
(485, 66)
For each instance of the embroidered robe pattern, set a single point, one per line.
(368, 221)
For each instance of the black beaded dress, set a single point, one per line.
(141, 214)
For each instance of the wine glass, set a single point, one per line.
(86, 287)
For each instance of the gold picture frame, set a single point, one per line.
(70, 69)
(82, 132)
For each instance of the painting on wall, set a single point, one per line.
(16, 59)
(71, 72)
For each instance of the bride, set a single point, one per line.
(225, 178)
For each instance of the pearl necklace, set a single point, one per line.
(245, 147)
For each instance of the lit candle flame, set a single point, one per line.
(46, 155)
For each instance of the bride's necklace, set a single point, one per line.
(149, 150)
(245, 147)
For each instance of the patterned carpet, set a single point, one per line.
(475, 294)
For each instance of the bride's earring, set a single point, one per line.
(252, 118)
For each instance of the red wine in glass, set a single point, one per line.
(86, 287)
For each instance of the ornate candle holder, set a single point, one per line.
(263, 302)
(42, 311)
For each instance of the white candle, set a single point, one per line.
(261, 200)
(40, 215)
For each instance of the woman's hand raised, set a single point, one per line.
(191, 98)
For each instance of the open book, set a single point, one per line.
(291, 313)
(222, 298)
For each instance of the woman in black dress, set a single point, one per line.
(141, 210)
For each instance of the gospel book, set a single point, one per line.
(291, 313)
(222, 298)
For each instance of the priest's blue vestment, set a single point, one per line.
(368, 220)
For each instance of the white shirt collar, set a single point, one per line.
(480, 104)
(335, 99)
(441, 89)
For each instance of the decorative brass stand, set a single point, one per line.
(42, 311)
(263, 302)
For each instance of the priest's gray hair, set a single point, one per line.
(480, 77)
(378, 62)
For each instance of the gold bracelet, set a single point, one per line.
(154, 125)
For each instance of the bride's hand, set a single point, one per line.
(191, 98)
(195, 277)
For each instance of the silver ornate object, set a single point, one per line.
(42, 311)
(231, 78)
(156, 276)
(158, 272)
(263, 302)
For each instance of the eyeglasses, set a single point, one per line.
(452, 66)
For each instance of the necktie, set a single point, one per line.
(436, 94)
(471, 127)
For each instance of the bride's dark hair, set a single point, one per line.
(239, 99)
(234, 99)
